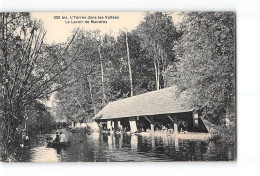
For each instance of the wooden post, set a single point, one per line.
(132, 122)
(152, 125)
(195, 115)
(175, 125)
(109, 127)
(113, 124)
(119, 125)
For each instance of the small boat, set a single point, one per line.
(58, 144)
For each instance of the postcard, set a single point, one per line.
(118, 86)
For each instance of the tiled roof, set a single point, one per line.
(163, 101)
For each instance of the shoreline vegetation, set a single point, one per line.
(92, 69)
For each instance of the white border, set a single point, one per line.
(248, 90)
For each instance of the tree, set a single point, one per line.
(29, 69)
(159, 35)
(87, 94)
(206, 67)
(130, 58)
(129, 65)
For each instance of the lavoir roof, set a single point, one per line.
(163, 101)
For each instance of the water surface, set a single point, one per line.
(99, 147)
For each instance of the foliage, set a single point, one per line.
(102, 75)
(159, 36)
(206, 67)
(38, 119)
(29, 69)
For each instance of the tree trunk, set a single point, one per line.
(156, 75)
(4, 87)
(81, 105)
(164, 68)
(156, 63)
(102, 78)
(91, 96)
(129, 65)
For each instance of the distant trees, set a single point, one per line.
(79, 99)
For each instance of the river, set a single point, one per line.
(99, 147)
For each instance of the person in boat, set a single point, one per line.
(57, 137)
(63, 137)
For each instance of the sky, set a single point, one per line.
(58, 30)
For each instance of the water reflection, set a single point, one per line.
(43, 154)
(110, 142)
(134, 141)
(126, 147)
(176, 143)
(120, 141)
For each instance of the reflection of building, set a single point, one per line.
(79, 123)
(153, 111)
(78, 120)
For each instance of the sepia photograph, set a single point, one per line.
(153, 86)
